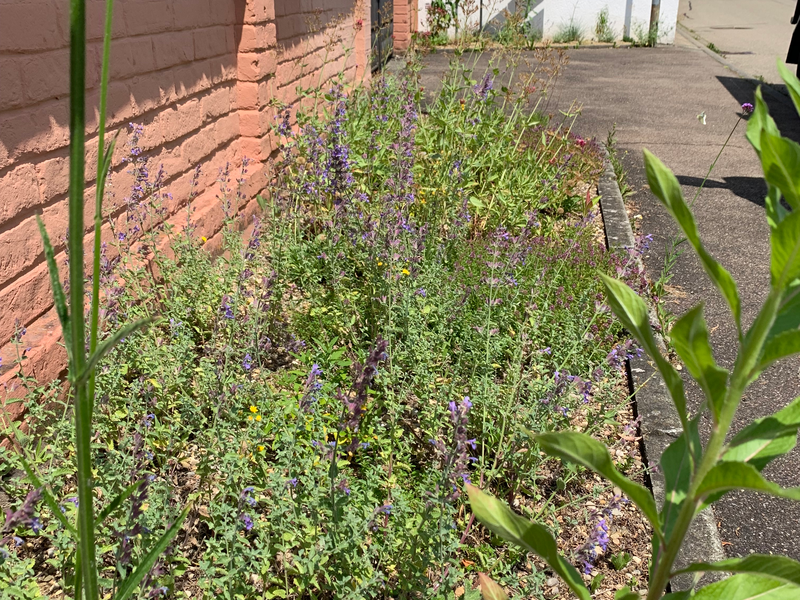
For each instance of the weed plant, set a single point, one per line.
(415, 287)
(603, 31)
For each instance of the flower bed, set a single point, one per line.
(417, 290)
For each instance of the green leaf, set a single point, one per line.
(107, 346)
(792, 84)
(781, 346)
(776, 213)
(502, 521)
(759, 122)
(584, 450)
(262, 203)
(726, 476)
(667, 189)
(632, 311)
(785, 243)
(689, 335)
(115, 503)
(677, 464)
(767, 438)
(59, 298)
(130, 584)
(626, 594)
(107, 156)
(780, 568)
(748, 587)
(490, 590)
(788, 316)
(780, 158)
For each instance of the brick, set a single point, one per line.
(96, 18)
(53, 177)
(247, 95)
(120, 103)
(223, 12)
(21, 246)
(256, 66)
(26, 298)
(226, 129)
(216, 103)
(259, 10)
(175, 122)
(173, 48)
(249, 125)
(198, 146)
(253, 38)
(147, 91)
(11, 94)
(210, 42)
(38, 129)
(26, 26)
(131, 57)
(190, 14)
(19, 190)
(147, 17)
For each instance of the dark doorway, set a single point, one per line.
(382, 32)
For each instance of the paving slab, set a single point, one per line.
(653, 97)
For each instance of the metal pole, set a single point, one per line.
(655, 14)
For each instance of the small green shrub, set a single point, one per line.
(603, 30)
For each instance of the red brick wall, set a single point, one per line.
(197, 74)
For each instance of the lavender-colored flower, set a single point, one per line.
(292, 482)
(24, 515)
(246, 497)
(455, 456)
(246, 521)
(227, 310)
(343, 487)
(247, 363)
(312, 388)
(482, 89)
(148, 420)
(747, 108)
(354, 401)
(588, 553)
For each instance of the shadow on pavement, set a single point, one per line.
(781, 109)
(752, 189)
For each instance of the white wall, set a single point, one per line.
(627, 18)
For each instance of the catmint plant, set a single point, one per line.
(698, 474)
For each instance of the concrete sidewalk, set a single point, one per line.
(654, 96)
(750, 34)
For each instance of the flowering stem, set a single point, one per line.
(713, 164)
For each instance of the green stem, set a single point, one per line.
(83, 405)
(713, 164)
(745, 362)
(99, 190)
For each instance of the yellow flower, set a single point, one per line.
(249, 417)
(380, 264)
(258, 417)
(253, 409)
(406, 272)
(261, 448)
(204, 239)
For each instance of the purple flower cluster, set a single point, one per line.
(622, 352)
(356, 399)
(24, 516)
(598, 539)
(455, 457)
(483, 88)
(311, 389)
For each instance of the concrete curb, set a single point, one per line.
(660, 423)
(697, 42)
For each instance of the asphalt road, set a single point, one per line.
(750, 34)
(653, 97)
